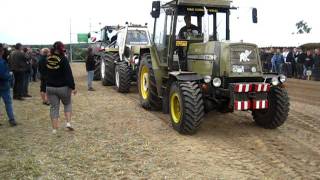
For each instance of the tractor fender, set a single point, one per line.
(184, 76)
(143, 51)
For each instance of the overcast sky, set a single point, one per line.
(43, 22)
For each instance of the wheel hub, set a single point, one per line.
(117, 79)
(175, 108)
(144, 82)
(103, 68)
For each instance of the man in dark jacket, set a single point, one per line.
(308, 64)
(43, 75)
(5, 78)
(316, 66)
(288, 59)
(300, 57)
(90, 67)
(19, 66)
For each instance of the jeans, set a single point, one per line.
(90, 78)
(34, 73)
(27, 79)
(5, 95)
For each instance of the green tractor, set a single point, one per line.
(107, 38)
(120, 63)
(188, 72)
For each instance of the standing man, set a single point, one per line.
(19, 66)
(277, 62)
(34, 63)
(5, 78)
(288, 63)
(90, 67)
(316, 66)
(28, 55)
(42, 67)
(308, 64)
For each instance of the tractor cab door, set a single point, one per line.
(162, 35)
(121, 42)
(183, 37)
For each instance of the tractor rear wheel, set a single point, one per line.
(278, 110)
(149, 98)
(97, 70)
(186, 107)
(107, 70)
(123, 77)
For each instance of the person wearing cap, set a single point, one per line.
(19, 67)
(43, 75)
(60, 85)
(5, 78)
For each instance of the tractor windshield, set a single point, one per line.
(193, 23)
(137, 37)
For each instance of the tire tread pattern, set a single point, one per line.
(193, 111)
(278, 111)
(124, 77)
(153, 102)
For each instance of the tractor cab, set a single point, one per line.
(189, 34)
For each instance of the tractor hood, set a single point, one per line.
(224, 59)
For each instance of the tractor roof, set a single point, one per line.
(201, 3)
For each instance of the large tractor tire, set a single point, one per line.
(97, 71)
(186, 107)
(107, 70)
(278, 110)
(149, 98)
(123, 77)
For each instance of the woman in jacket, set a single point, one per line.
(60, 85)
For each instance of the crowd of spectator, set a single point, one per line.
(22, 65)
(294, 63)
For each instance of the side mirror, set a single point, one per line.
(254, 15)
(89, 35)
(155, 12)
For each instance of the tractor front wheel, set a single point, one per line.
(107, 70)
(123, 77)
(278, 110)
(186, 107)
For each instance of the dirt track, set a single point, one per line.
(116, 138)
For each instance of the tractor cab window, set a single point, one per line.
(193, 24)
(188, 28)
(137, 37)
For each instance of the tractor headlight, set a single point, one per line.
(216, 82)
(282, 78)
(207, 79)
(254, 69)
(275, 81)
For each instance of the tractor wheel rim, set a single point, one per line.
(103, 68)
(144, 82)
(175, 108)
(117, 79)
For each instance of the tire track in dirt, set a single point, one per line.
(231, 144)
(273, 153)
(239, 158)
